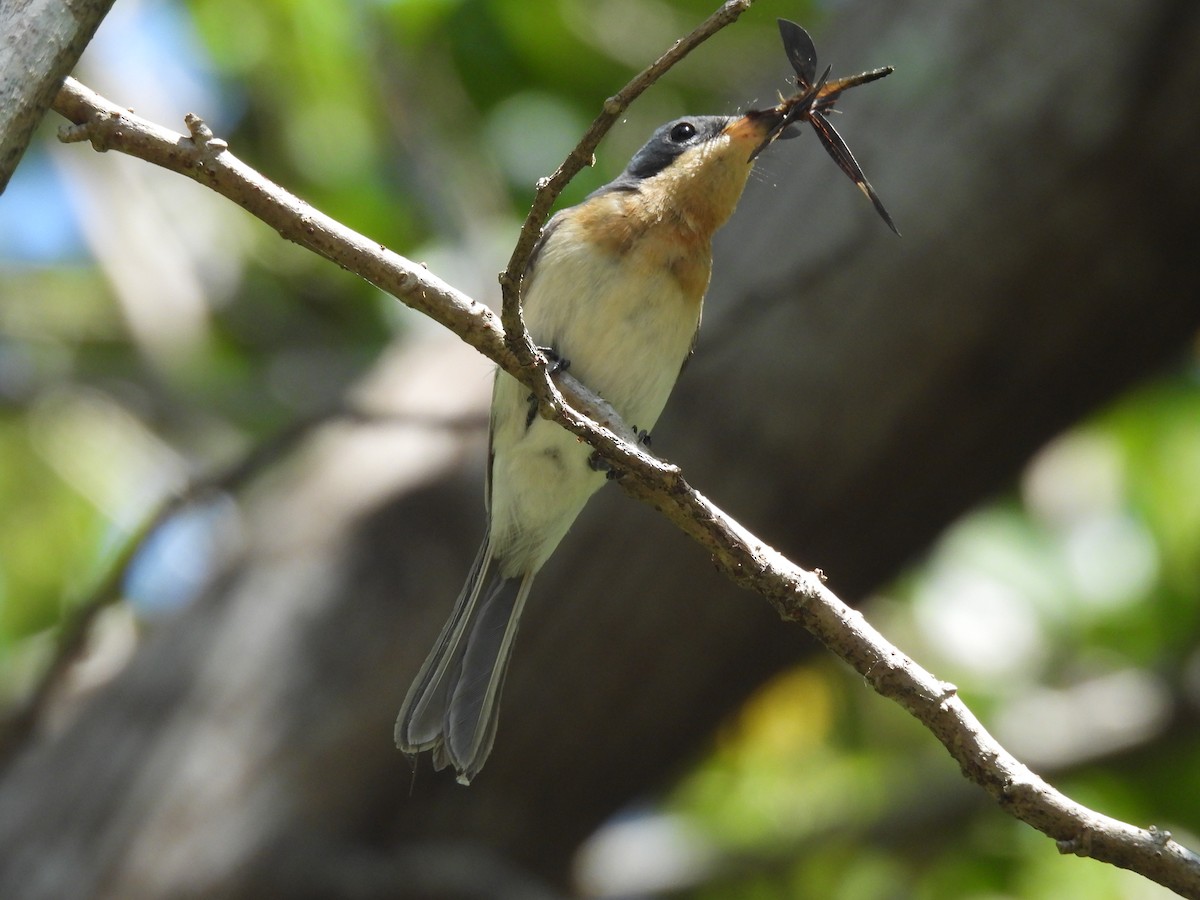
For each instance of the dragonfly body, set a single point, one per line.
(815, 97)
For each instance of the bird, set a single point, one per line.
(614, 289)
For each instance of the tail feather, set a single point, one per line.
(419, 725)
(453, 705)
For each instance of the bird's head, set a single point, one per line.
(695, 168)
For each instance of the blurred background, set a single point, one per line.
(261, 478)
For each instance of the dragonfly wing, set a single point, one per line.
(801, 52)
(797, 108)
(837, 148)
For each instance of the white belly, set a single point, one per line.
(624, 342)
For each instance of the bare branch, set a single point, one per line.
(206, 160)
(582, 155)
(549, 188)
(797, 595)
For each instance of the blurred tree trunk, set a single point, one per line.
(852, 394)
(42, 43)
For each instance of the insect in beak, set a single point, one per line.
(815, 97)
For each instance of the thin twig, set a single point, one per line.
(797, 595)
(205, 159)
(548, 190)
(17, 724)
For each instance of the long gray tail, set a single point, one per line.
(454, 702)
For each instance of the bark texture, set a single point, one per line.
(40, 42)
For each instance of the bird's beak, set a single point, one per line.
(755, 129)
(754, 125)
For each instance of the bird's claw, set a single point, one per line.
(555, 362)
(598, 463)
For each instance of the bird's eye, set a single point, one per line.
(682, 132)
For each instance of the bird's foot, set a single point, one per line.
(554, 364)
(598, 463)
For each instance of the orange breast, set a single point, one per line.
(649, 236)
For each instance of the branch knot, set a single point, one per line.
(202, 136)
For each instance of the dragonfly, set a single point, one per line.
(815, 98)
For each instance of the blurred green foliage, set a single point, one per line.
(424, 123)
(1066, 614)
